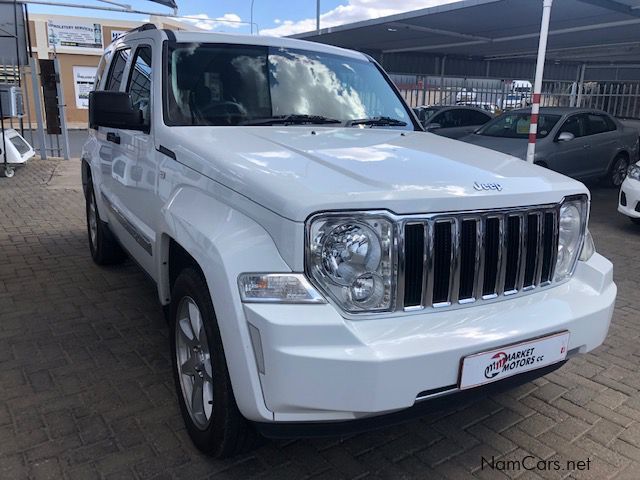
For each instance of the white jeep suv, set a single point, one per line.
(325, 264)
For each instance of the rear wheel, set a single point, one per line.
(202, 381)
(105, 249)
(618, 171)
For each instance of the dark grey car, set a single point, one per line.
(580, 143)
(452, 121)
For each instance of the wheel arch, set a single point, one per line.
(222, 243)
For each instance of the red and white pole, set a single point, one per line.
(537, 84)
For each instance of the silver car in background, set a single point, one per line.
(581, 143)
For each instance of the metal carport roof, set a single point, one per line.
(583, 31)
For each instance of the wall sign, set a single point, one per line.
(115, 34)
(75, 34)
(83, 80)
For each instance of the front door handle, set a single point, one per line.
(586, 146)
(112, 137)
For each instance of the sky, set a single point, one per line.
(273, 17)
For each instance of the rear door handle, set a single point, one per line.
(585, 146)
(112, 137)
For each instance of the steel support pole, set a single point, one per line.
(537, 84)
(61, 108)
(581, 85)
(318, 16)
(37, 103)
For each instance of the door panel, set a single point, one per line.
(604, 143)
(571, 157)
(134, 170)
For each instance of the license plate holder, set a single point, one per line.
(503, 362)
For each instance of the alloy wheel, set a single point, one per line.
(619, 172)
(93, 222)
(194, 362)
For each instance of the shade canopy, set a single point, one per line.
(591, 31)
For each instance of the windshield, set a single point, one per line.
(516, 125)
(216, 84)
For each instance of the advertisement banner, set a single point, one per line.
(75, 34)
(83, 79)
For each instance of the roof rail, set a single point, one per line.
(142, 28)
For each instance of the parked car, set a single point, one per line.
(492, 108)
(514, 100)
(581, 143)
(322, 262)
(452, 121)
(629, 202)
(466, 94)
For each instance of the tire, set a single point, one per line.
(636, 221)
(618, 171)
(200, 372)
(105, 249)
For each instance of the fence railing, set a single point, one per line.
(620, 99)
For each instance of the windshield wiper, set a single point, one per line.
(377, 121)
(292, 119)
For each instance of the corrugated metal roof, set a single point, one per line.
(591, 31)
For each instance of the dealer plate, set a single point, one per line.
(493, 365)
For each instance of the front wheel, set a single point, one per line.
(618, 171)
(202, 381)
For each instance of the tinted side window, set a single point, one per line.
(473, 117)
(139, 85)
(450, 118)
(575, 125)
(597, 124)
(117, 70)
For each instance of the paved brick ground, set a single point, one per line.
(86, 391)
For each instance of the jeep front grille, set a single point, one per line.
(448, 260)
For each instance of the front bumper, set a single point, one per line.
(320, 367)
(631, 190)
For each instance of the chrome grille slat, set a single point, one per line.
(454, 276)
(427, 296)
(478, 281)
(537, 277)
(468, 243)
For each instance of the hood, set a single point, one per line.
(298, 171)
(516, 147)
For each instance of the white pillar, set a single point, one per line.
(537, 84)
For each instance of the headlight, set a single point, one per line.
(573, 221)
(634, 172)
(351, 259)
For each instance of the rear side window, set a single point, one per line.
(599, 124)
(119, 62)
(139, 85)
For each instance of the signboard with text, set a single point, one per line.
(74, 34)
(83, 80)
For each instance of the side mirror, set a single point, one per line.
(433, 126)
(566, 137)
(114, 110)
